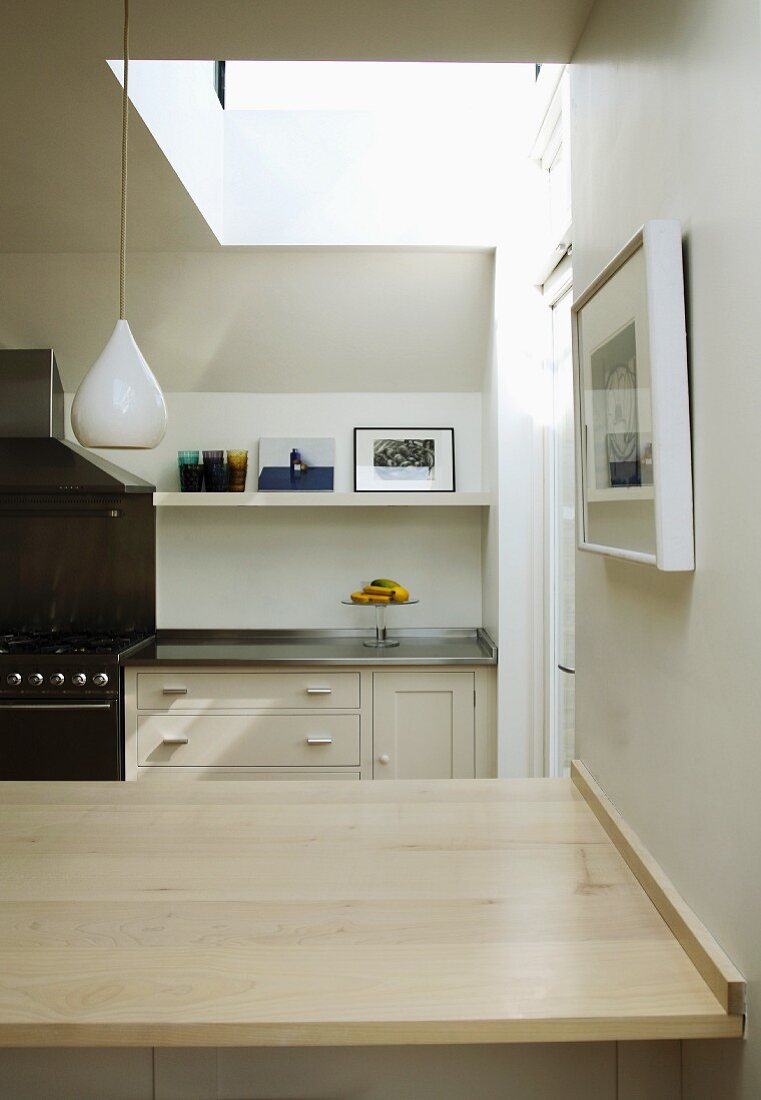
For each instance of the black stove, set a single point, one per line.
(53, 663)
(60, 705)
(55, 643)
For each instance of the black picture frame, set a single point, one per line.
(408, 432)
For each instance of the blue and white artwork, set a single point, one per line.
(296, 465)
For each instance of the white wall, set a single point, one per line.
(264, 320)
(490, 459)
(513, 417)
(665, 124)
(289, 568)
(206, 421)
(242, 340)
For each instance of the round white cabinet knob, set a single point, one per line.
(384, 758)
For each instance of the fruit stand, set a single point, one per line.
(380, 594)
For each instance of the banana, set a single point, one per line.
(382, 590)
(397, 594)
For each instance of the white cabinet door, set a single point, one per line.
(424, 725)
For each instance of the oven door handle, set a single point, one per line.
(38, 513)
(56, 706)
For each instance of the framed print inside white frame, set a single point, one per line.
(633, 457)
(404, 460)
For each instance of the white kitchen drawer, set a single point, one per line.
(244, 775)
(248, 741)
(195, 691)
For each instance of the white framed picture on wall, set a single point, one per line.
(633, 457)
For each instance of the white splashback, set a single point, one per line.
(290, 568)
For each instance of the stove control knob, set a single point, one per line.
(13, 679)
(57, 679)
(35, 679)
(100, 679)
(79, 679)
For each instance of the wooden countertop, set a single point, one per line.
(263, 913)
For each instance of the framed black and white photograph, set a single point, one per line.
(633, 459)
(404, 460)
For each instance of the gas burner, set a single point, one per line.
(54, 644)
(17, 643)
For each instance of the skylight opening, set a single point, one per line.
(376, 86)
(322, 153)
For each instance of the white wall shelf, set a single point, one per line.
(322, 500)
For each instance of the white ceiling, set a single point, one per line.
(59, 157)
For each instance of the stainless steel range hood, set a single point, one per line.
(34, 456)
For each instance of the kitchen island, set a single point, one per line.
(331, 914)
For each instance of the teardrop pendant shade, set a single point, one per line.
(119, 403)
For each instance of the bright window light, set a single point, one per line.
(359, 85)
(322, 153)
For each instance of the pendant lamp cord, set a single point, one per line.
(125, 122)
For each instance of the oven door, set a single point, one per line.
(60, 740)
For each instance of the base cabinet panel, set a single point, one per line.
(424, 725)
(536, 1071)
(369, 722)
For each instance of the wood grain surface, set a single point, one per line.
(241, 914)
(716, 968)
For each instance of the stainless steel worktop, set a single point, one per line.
(316, 647)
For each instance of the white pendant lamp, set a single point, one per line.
(119, 403)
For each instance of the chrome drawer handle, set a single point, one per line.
(175, 740)
(319, 691)
(319, 740)
(174, 691)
